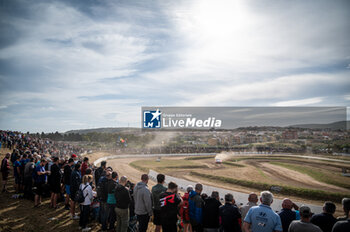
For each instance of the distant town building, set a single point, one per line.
(290, 134)
(212, 142)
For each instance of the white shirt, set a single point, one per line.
(87, 192)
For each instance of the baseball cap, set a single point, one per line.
(305, 211)
(74, 156)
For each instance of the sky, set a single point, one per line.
(71, 64)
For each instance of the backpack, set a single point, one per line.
(185, 210)
(28, 172)
(79, 196)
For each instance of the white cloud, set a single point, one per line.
(300, 102)
(270, 90)
(199, 53)
(237, 36)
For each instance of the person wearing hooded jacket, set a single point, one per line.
(196, 205)
(143, 203)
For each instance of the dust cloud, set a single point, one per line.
(162, 139)
(223, 156)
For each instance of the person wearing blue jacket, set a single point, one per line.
(196, 206)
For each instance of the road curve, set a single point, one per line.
(241, 198)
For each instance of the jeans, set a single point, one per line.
(111, 216)
(84, 215)
(143, 222)
(122, 219)
(103, 215)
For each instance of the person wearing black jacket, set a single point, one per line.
(55, 182)
(99, 171)
(75, 181)
(211, 222)
(170, 201)
(67, 172)
(123, 200)
(230, 215)
(102, 194)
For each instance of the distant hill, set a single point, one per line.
(333, 126)
(110, 130)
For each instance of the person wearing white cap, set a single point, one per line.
(304, 224)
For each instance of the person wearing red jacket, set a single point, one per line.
(84, 166)
(185, 210)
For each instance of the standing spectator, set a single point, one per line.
(14, 156)
(157, 190)
(304, 224)
(40, 176)
(99, 171)
(55, 182)
(123, 200)
(262, 218)
(75, 158)
(211, 206)
(75, 181)
(325, 220)
(196, 205)
(85, 206)
(143, 203)
(230, 216)
(102, 195)
(185, 210)
(287, 215)
(84, 165)
(252, 201)
(88, 171)
(343, 225)
(169, 203)
(5, 171)
(346, 208)
(28, 178)
(17, 173)
(23, 161)
(111, 201)
(67, 172)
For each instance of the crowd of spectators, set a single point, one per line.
(42, 168)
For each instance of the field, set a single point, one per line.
(302, 178)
